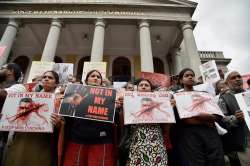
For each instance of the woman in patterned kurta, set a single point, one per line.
(147, 146)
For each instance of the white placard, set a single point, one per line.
(191, 104)
(27, 112)
(243, 100)
(206, 87)
(63, 70)
(209, 72)
(38, 68)
(118, 85)
(147, 107)
(88, 66)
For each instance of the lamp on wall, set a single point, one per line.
(158, 38)
(85, 36)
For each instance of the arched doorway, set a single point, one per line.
(158, 65)
(23, 62)
(80, 66)
(121, 69)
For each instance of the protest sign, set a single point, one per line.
(89, 102)
(118, 85)
(63, 70)
(88, 66)
(27, 112)
(2, 49)
(30, 87)
(190, 104)
(243, 100)
(209, 72)
(147, 107)
(206, 87)
(245, 77)
(157, 79)
(38, 68)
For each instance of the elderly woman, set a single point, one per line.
(89, 143)
(31, 149)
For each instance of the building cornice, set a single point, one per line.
(156, 3)
(95, 11)
(224, 61)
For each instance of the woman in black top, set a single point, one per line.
(195, 140)
(89, 143)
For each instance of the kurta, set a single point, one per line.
(147, 147)
(30, 149)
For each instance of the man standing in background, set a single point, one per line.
(235, 141)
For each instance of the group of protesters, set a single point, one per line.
(191, 141)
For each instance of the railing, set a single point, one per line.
(211, 54)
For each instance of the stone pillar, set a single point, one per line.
(147, 64)
(98, 41)
(190, 47)
(177, 61)
(49, 50)
(8, 39)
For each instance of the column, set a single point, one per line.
(145, 47)
(7, 40)
(177, 61)
(190, 47)
(49, 50)
(98, 41)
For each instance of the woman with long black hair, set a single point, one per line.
(89, 143)
(38, 149)
(195, 140)
(147, 143)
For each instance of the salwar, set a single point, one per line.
(198, 146)
(147, 146)
(89, 155)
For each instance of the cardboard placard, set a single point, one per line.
(27, 112)
(245, 77)
(147, 107)
(209, 72)
(2, 49)
(89, 102)
(243, 100)
(157, 79)
(63, 70)
(38, 68)
(88, 66)
(191, 104)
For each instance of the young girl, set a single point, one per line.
(147, 146)
(195, 140)
(89, 143)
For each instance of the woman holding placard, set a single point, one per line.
(89, 143)
(31, 149)
(195, 140)
(147, 145)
